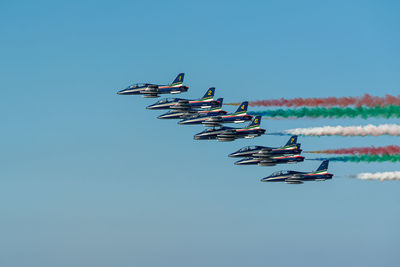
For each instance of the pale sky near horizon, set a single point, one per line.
(91, 178)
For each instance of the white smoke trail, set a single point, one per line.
(381, 176)
(374, 130)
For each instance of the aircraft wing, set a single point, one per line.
(266, 159)
(266, 149)
(298, 175)
(265, 152)
(213, 121)
(181, 104)
(151, 89)
(250, 135)
(228, 132)
(293, 181)
(227, 135)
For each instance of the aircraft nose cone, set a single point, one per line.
(240, 162)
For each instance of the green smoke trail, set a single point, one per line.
(365, 158)
(336, 112)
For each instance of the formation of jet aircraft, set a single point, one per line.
(208, 112)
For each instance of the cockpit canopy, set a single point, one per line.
(208, 130)
(213, 129)
(249, 148)
(279, 173)
(167, 100)
(137, 85)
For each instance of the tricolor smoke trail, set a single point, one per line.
(373, 130)
(380, 176)
(365, 100)
(363, 112)
(385, 150)
(364, 158)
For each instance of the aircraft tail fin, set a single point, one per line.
(323, 166)
(209, 94)
(219, 107)
(242, 108)
(179, 79)
(292, 140)
(255, 123)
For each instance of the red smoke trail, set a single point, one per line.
(366, 100)
(385, 150)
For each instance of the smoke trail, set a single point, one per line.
(364, 158)
(374, 130)
(385, 150)
(363, 112)
(365, 100)
(381, 176)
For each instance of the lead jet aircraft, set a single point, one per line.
(294, 177)
(207, 101)
(291, 148)
(230, 133)
(186, 114)
(212, 120)
(149, 90)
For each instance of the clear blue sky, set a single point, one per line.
(91, 178)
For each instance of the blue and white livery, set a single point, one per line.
(207, 101)
(230, 133)
(149, 90)
(214, 120)
(294, 177)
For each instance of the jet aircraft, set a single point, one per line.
(270, 160)
(213, 120)
(186, 114)
(149, 90)
(290, 148)
(230, 133)
(207, 101)
(294, 177)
